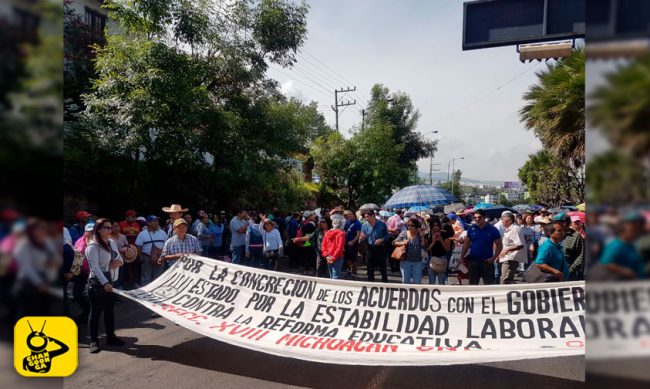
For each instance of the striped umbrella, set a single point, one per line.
(420, 195)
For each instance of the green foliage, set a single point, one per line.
(457, 187)
(621, 107)
(397, 110)
(616, 179)
(555, 109)
(361, 169)
(181, 110)
(550, 181)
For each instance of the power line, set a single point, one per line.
(293, 77)
(341, 78)
(476, 100)
(306, 76)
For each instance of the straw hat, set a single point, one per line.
(174, 208)
(131, 253)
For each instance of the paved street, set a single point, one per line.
(161, 354)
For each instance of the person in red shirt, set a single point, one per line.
(332, 248)
(130, 227)
(130, 272)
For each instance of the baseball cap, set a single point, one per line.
(89, 227)
(130, 212)
(81, 214)
(452, 216)
(151, 218)
(633, 217)
(141, 219)
(575, 218)
(561, 217)
(178, 222)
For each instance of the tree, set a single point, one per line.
(360, 169)
(455, 178)
(550, 181)
(397, 110)
(616, 179)
(555, 109)
(621, 108)
(503, 200)
(181, 101)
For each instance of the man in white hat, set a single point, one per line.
(175, 212)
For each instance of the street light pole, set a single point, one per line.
(431, 161)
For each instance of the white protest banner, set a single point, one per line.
(618, 319)
(361, 323)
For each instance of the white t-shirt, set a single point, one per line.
(513, 236)
(146, 239)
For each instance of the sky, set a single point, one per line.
(471, 98)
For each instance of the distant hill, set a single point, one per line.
(440, 176)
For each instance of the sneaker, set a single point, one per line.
(114, 341)
(94, 347)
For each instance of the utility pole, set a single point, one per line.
(336, 105)
(431, 170)
(363, 118)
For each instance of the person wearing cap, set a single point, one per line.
(77, 229)
(514, 248)
(620, 256)
(483, 243)
(238, 227)
(333, 246)
(573, 246)
(180, 244)
(272, 244)
(129, 226)
(550, 257)
(175, 212)
(150, 243)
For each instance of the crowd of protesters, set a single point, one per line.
(100, 254)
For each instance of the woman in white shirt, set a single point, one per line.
(272, 248)
(104, 259)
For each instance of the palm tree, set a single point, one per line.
(555, 108)
(621, 108)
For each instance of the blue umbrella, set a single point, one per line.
(420, 195)
(483, 205)
(495, 211)
(418, 208)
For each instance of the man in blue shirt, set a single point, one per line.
(375, 232)
(550, 257)
(483, 241)
(352, 232)
(621, 256)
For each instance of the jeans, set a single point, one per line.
(270, 260)
(376, 257)
(238, 254)
(411, 271)
(78, 288)
(149, 271)
(478, 269)
(255, 258)
(437, 278)
(336, 269)
(100, 302)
